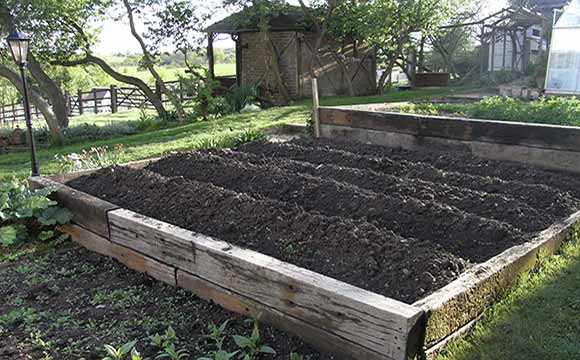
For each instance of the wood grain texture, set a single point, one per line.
(246, 306)
(374, 120)
(547, 158)
(90, 212)
(455, 305)
(375, 322)
(542, 136)
(126, 256)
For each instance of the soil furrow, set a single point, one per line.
(467, 163)
(493, 206)
(464, 234)
(356, 252)
(541, 197)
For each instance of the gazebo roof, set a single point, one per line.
(290, 18)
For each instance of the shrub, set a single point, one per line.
(247, 136)
(90, 132)
(27, 213)
(240, 96)
(204, 104)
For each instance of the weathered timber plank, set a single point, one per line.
(90, 212)
(547, 158)
(373, 321)
(461, 301)
(395, 122)
(126, 256)
(543, 136)
(241, 304)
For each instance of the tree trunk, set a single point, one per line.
(47, 86)
(151, 67)
(37, 100)
(145, 89)
(51, 90)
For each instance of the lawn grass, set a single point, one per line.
(157, 142)
(539, 319)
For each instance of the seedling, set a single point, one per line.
(252, 346)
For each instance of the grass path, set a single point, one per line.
(539, 319)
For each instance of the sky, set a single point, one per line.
(115, 36)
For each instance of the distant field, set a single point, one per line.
(170, 74)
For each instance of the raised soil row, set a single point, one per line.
(401, 228)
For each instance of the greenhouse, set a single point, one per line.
(563, 75)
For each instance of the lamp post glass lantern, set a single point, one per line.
(18, 44)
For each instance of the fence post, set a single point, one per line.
(80, 101)
(113, 99)
(158, 90)
(181, 94)
(2, 114)
(67, 102)
(315, 110)
(95, 101)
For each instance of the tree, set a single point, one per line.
(388, 27)
(453, 40)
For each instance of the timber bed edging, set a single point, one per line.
(452, 307)
(353, 323)
(425, 326)
(546, 145)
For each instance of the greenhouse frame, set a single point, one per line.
(563, 73)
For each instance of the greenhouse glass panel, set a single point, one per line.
(564, 62)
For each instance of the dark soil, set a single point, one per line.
(69, 303)
(382, 219)
(353, 251)
(542, 197)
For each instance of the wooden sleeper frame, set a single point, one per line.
(334, 316)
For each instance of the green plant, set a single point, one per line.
(163, 341)
(171, 353)
(296, 356)
(240, 96)
(119, 353)
(247, 136)
(86, 132)
(204, 103)
(95, 157)
(25, 212)
(251, 346)
(220, 355)
(217, 334)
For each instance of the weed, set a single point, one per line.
(26, 316)
(251, 346)
(119, 353)
(171, 353)
(165, 340)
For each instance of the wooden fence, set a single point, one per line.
(97, 100)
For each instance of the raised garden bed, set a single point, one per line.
(364, 251)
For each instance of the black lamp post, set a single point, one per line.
(18, 44)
